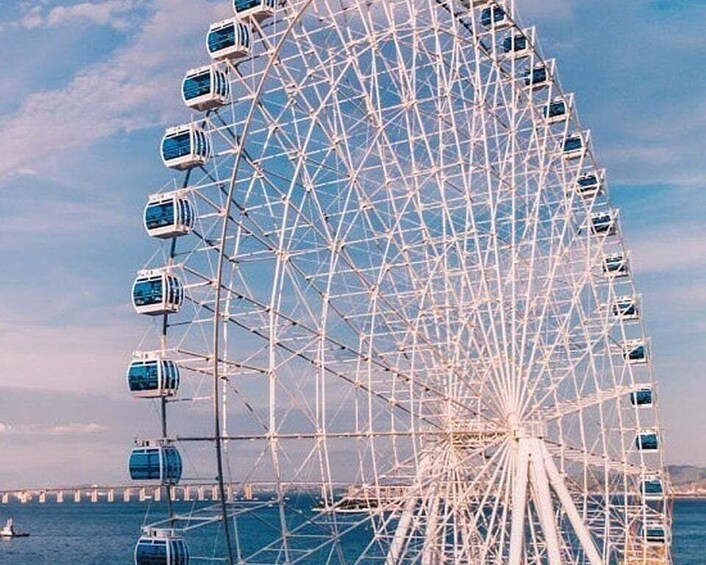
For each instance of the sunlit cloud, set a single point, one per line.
(113, 13)
(671, 249)
(62, 429)
(130, 91)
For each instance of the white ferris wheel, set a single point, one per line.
(394, 317)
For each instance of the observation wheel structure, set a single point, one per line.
(393, 302)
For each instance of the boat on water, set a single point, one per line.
(350, 506)
(9, 531)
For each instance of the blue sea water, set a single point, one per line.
(104, 534)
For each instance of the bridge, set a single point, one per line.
(201, 492)
(131, 493)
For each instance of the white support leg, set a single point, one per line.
(398, 543)
(562, 492)
(543, 502)
(519, 504)
(430, 552)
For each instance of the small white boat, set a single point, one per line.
(350, 506)
(9, 531)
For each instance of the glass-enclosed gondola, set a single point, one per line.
(151, 376)
(255, 9)
(643, 397)
(616, 265)
(228, 39)
(156, 293)
(647, 440)
(635, 351)
(574, 146)
(604, 223)
(556, 111)
(537, 77)
(161, 548)
(655, 534)
(494, 16)
(205, 88)
(516, 45)
(652, 488)
(627, 307)
(185, 147)
(168, 215)
(590, 184)
(155, 463)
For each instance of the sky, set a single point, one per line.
(88, 88)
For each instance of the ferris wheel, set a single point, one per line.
(394, 316)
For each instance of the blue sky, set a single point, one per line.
(87, 90)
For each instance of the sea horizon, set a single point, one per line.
(89, 533)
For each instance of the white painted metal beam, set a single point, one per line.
(543, 502)
(519, 503)
(557, 483)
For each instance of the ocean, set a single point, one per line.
(105, 534)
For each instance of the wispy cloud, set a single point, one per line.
(113, 13)
(130, 91)
(58, 430)
(33, 19)
(117, 14)
(664, 148)
(671, 249)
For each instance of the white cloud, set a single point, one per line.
(130, 91)
(111, 13)
(75, 218)
(76, 429)
(59, 430)
(657, 151)
(33, 18)
(669, 250)
(118, 14)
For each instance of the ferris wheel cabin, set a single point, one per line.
(228, 39)
(205, 88)
(652, 488)
(156, 293)
(156, 463)
(604, 223)
(168, 215)
(643, 397)
(255, 9)
(495, 17)
(647, 440)
(185, 147)
(589, 185)
(635, 351)
(516, 46)
(557, 110)
(162, 548)
(627, 307)
(574, 146)
(616, 265)
(537, 77)
(654, 534)
(150, 376)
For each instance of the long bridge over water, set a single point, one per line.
(134, 492)
(201, 492)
